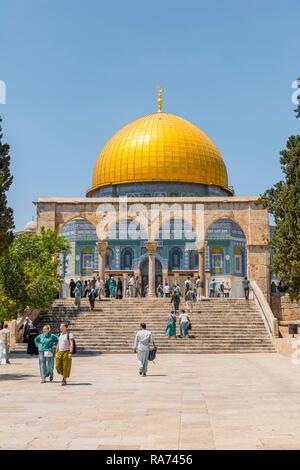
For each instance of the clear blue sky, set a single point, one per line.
(76, 71)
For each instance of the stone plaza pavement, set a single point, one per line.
(233, 401)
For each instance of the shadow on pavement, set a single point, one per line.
(15, 376)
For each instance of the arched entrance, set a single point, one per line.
(144, 269)
(226, 254)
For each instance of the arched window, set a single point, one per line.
(194, 259)
(109, 258)
(175, 258)
(127, 258)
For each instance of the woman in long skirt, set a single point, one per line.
(78, 294)
(171, 325)
(32, 350)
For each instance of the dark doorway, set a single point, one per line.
(144, 268)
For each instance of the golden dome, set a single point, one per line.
(159, 147)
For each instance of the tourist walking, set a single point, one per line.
(187, 283)
(146, 290)
(112, 286)
(64, 350)
(93, 283)
(175, 299)
(171, 325)
(212, 287)
(4, 345)
(184, 322)
(119, 292)
(101, 288)
(246, 287)
(78, 294)
(92, 297)
(127, 293)
(98, 289)
(198, 285)
(159, 291)
(106, 289)
(189, 300)
(138, 287)
(221, 289)
(167, 290)
(226, 289)
(131, 284)
(32, 350)
(143, 341)
(26, 325)
(177, 288)
(72, 287)
(46, 343)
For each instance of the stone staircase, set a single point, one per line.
(218, 325)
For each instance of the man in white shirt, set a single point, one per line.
(142, 342)
(188, 283)
(4, 345)
(64, 350)
(97, 287)
(131, 284)
(167, 290)
(184, 322)
(198, 285)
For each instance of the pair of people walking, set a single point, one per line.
(64, 346)
(184, 324)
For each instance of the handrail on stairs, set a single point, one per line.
(265, 309)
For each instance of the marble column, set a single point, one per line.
(201, 267)
(101, 248)
(151, 248)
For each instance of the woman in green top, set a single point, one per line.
(46, 343)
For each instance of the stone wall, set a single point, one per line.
(285, 310)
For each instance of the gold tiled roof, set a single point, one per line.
(159, 147)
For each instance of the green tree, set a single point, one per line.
(6, 213)
(283, 202)
(297, 110)
(28, 273)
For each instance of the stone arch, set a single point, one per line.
(60, 226)
(211, 219)
(226, 252)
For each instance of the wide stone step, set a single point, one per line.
(219, 325)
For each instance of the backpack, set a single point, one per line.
(74, 344)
